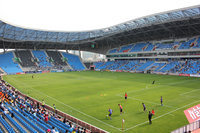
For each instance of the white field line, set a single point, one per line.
(161, 115)
(160, 86)
(70, 106)
(147, 101)
(189, 92)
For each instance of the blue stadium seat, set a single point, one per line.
(74, 61)
(144, 66)
(98, 64)
(138, 47)
(197, 44)
(8, 65)
(6, 125)
(113, 51)
(186, 45)
(149, 47)
(125, 48)
(42, 57)
(107, 64)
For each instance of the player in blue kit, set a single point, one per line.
(110, 113)
(161, 101)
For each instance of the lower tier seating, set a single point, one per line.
(186, 67)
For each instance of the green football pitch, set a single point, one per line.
(88, 96)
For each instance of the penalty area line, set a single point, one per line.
(147, 101)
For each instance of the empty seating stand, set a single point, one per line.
(8, 65)
(57, 58)
(26, 58)
(125, 48)
(98, 64)
(187, 44)
(197, 43)
(149, 47)
(74, 61)
(42, 58)
(113, 51)
(144, 66)
(138, 47)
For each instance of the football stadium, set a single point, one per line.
(148, 81)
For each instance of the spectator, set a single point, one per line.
(48, 131)
(54, 130)
(46, 117)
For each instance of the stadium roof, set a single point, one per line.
(173, 24)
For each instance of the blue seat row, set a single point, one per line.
(36, 122)
(15, 124)
(21, 118)
(6, 125)
(74, 61)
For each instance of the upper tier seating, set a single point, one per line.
(149, 47)
(138, 47)
(7, 64)
(198, 43)
(26, 58)
(41, 56)
(187, 45)
(74, 61)
(192, 43)
(113, 51)
(125, 48)
(160, 46)
(57, 58)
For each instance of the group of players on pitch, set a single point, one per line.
(151, 113)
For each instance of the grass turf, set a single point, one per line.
(88, 96)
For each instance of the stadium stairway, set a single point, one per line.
(144, 66)
(149, 67)
(155, 66)
(149, 47)
(162, 67)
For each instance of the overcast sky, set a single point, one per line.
(81, 15)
